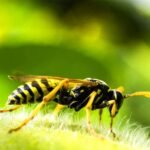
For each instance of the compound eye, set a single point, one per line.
(111, 95)
(119, 95)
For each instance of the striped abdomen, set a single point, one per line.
(31, 92)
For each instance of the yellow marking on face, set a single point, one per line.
(81, 91)
(98, 91)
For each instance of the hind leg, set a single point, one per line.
(10, 109)
(45, 100)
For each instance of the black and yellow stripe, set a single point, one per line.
(47, 85)
(24, 96)
(38, 87)
(31, 92)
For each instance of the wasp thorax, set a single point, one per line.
(100, 83)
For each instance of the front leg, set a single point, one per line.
(113, 110)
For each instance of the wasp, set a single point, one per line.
(89, 93)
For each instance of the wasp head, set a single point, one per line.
(118, 97)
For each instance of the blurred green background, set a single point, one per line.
(108, 40)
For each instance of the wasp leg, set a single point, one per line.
(88, 110)
(111, 130)
(100, 116)
(45, 100)
(10, 109)
(113, 112)
(57, 109)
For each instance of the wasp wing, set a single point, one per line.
(30, 78)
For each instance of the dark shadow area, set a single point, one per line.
(131, 24)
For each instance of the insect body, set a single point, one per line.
(74, 93)
(73, 96)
